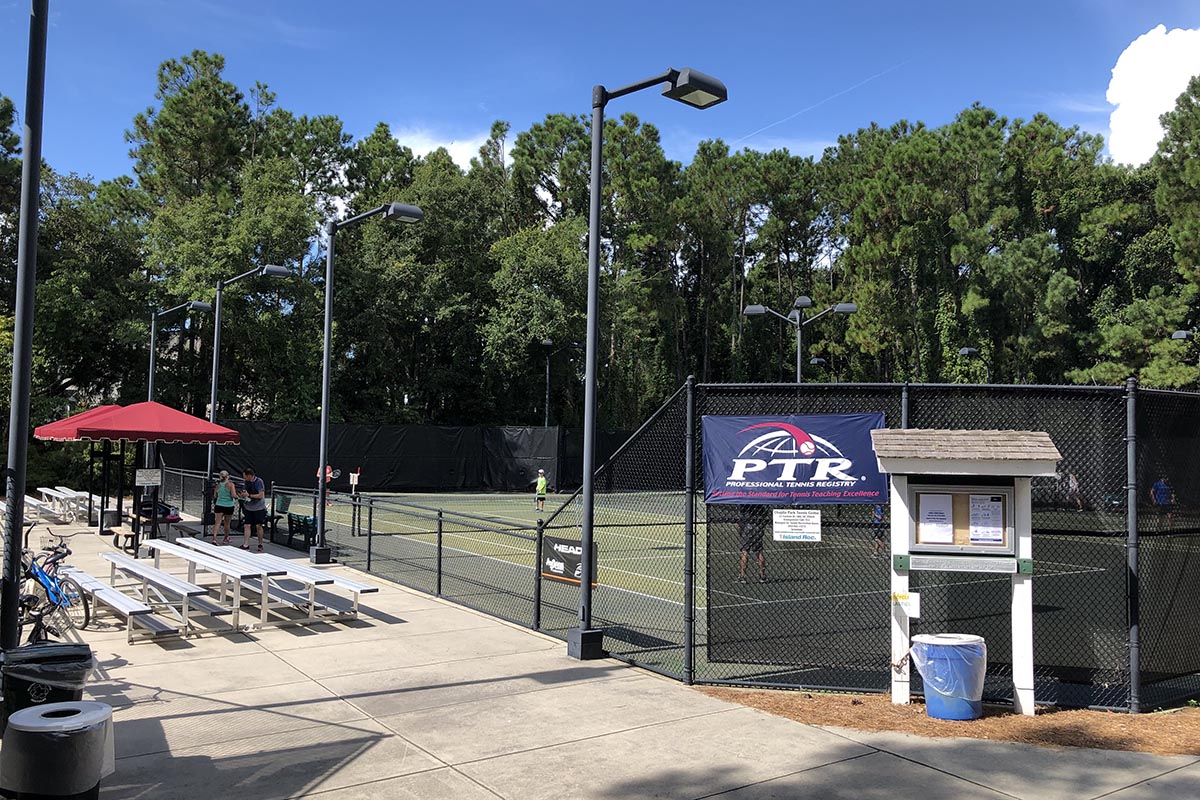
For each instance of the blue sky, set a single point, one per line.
(442, 72)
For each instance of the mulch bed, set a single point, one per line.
(1164, 732)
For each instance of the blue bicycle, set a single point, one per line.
(58, 596)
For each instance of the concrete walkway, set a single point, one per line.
(425, 699)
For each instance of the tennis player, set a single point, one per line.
(540, 490)
(750, 536)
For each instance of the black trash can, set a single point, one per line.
(111, 519)
(51, 672)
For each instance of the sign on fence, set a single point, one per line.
(792, 460)
(562, 560)
(147, 477)
(796, 524)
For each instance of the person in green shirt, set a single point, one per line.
(542, 483)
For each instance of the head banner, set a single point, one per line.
(792, 460)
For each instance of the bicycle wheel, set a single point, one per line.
(74, 607)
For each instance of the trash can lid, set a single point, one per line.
(59, 717)
(945, 639)
(48, 651)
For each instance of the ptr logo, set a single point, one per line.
(788, 448)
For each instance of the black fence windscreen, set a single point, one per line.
(403, 458)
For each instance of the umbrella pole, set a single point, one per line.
(121, 482)
(91, 478)
(107, 457)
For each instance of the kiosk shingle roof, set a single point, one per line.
(964, 445)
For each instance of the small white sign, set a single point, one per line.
(910, 602)
(936, 525)
(147, 477)
(796, 524)
(987, 519)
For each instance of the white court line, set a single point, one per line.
(526, 566)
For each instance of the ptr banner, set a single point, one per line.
(792, 460)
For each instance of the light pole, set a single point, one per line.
(795, 318)
(22, 362)
(699, 91)
(547, 343)
(973, 352)
(191, 305)
(270, 270)
(396, 212)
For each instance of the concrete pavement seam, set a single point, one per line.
(588, 738)
(1147, 780)
(509, 694)
(486, 788)
(785, 775)
(921, 763)
(406, 666)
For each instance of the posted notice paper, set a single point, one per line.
(936, 525)
(987, 519)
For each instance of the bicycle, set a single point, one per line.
(59, 594)
(33, 614)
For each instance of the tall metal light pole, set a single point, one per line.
(191, 305)
(396, 212)
(270, 270)
(547, 343)
(973, 352)
(796, 319)
(699, 91)
(22, 367)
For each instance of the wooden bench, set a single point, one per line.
(301, 525)
(134, 611)
(123, 530)
(170, 590)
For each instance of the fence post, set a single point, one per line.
(370, 528)
(274, 520)
(689, 536)
(1132, 589)
(439, 554)
(537, 576)
(904, 405)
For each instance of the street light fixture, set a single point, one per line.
(191, 305)
(270, 271)
(699, 91)
(795, 318)
(397, 212)
(973, 352)
(1183, 335)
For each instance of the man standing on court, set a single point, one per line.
(1162, 494)
(255, 510)
(750, 539)
(540, 490)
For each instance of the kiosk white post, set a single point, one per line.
(961, 502)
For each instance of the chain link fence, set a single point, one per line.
(1116, 589)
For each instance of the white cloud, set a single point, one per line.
(423, 141)
(1146, 81)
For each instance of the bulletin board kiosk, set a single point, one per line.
(961, 502)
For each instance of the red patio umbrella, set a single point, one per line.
(67, 430)
(155, 422)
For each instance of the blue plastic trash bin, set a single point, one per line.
(952, 666)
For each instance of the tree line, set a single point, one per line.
(1015, 237)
